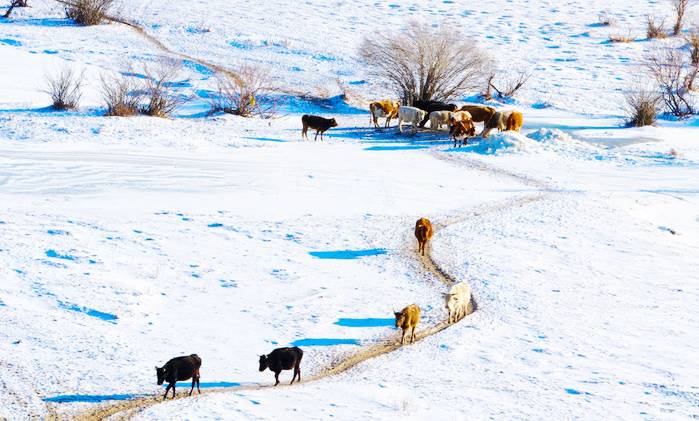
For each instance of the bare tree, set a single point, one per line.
(121, 95)
(654, 28)
(87, 12)
(65, 88)
(242, 93)
(510, 83)
(641, 104)
(159, 89)
(672, 75)
(424, 63)
(693, 40)
(15, 3)
(680, 9)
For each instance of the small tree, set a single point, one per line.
(65, 89)
(121, 95)
(424, 63)
(88, 12)
(641, 104)
(15, 3)
(655, 29)
(242, 92)
(672, 75)
(510, 82)
(159, 89)
(680, 9)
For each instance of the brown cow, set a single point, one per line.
(503, 121)
(406, 319)
(460, 130)
(387, 108)
(479, 113)
(319, 124)
(423, 232)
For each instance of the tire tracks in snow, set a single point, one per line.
(430, 269)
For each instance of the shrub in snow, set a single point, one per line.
(680, 9)
(240, 93)
(120, 95)
(655, 29)
(65, 89)
(159, 89)
(641, 106)
(420, 62)
(88, 12)
(674, 79)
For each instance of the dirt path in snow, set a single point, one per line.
(430, 270)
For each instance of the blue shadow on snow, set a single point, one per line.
(324, 342)
(91, 398)
(107, 317)
(347, 254)
(367, 322)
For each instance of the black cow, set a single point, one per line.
(430, 106)
(180, 368)
(283, 359)
(319, 124)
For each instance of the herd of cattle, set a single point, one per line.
(457, 302)
(461, 121)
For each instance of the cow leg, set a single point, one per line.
(298, 370)
(167, 389)
(388, 122)
(412, 337)
(173, 389)
(400, 125)
(198, 383)
(276, 377)
(321, 136)
(402, 338)
(486, 132)
(194, 381)
(316, 138)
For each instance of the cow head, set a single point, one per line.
(333, 123)
(160, 372)
(400, 318)
(264, 362)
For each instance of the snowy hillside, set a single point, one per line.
(126, 241)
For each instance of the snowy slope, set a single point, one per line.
(127, 241)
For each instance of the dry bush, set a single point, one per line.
(242, 93)
(674, 79)
(159, 89)
(655, 29)
(88, 12)
(121, 95)
(509, 82)
(15, 3)
(680, 7)
(641, 105)
(621, 38)
(424, 63)
(65, 89)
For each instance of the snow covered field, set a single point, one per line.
(127, 241)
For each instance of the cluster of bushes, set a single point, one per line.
(153, 93)
(83, 12)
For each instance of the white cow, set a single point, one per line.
(439, 119)
(410, 115)
(458, 301)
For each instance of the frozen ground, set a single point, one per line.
(124, 242)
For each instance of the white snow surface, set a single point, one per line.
(128, 241)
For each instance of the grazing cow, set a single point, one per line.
(430, 106)
(462, 130)
(319, 124)
(439, 119)
(388, 109)
(458, 301)
(410, 115)
(479, 113)
(406, 319)
(423, 232)
(180, 368)
(503, 121)
(283, 359)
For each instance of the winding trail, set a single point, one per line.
(429, 269)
